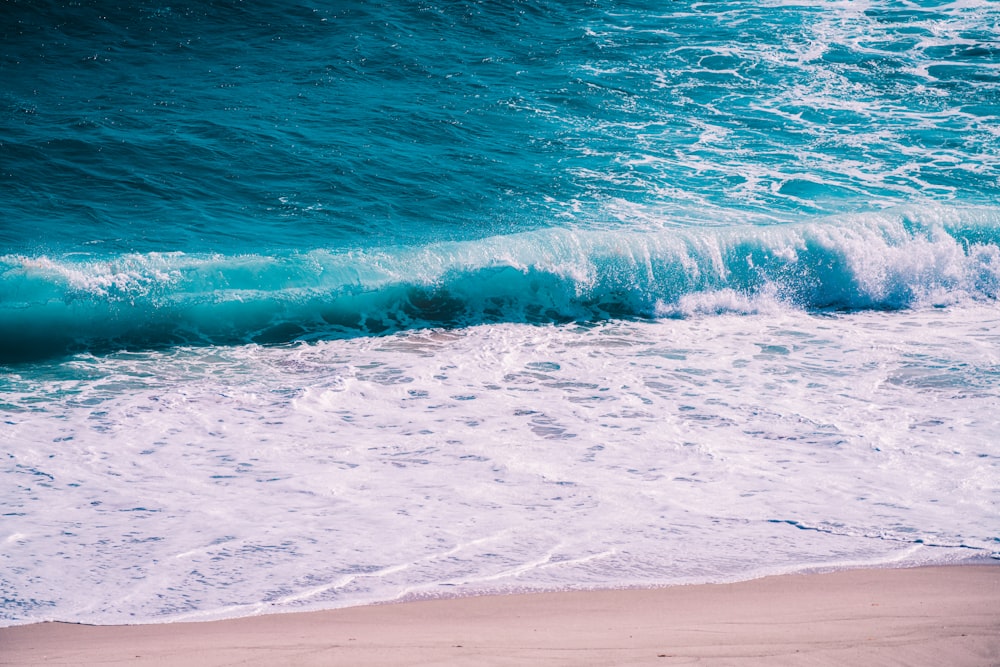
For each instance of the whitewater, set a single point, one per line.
(313, 305)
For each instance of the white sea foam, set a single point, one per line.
(208, 482)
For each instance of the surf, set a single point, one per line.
(884, 261)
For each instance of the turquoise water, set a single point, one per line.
(317, 200)
(223, 173)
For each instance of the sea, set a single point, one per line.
(319, 303)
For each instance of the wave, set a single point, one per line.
(889, 260)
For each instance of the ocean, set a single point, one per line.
(314, 304)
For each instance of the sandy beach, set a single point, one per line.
(917, 616)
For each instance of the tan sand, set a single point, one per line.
(941, 616)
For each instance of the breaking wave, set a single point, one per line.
(889, 260)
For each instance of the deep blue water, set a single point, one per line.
(226, 172)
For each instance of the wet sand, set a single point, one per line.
(918, 616)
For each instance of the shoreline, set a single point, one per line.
(914, 616)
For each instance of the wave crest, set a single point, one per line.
(893, 260)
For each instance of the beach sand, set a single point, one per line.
(918, 616)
